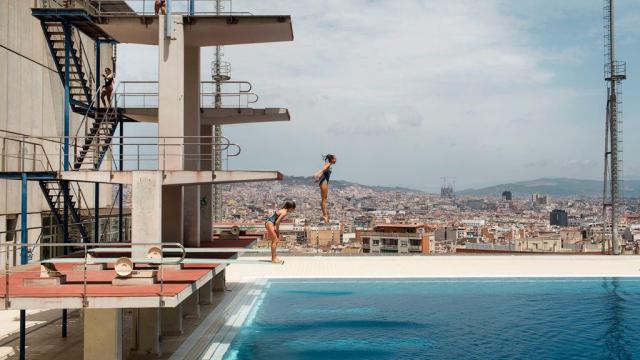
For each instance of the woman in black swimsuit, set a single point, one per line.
(161, 7)
(107, 89)
(273, 227)
(322, 178)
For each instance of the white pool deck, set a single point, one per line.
(442, 266)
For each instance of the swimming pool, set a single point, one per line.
(443, 319)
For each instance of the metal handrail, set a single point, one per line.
(207, 90)
(146, 8)
(161, 141)
(86, 115)
(86, 260)
(84, 63)
(21, 142)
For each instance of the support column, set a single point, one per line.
(103, 334)
(149, 331)
(172, 214)
(172, 321)
(146, 210)
(205, 295)
(191, 306)
(171, 93)
(219, 281)
(206, 195)
(191, 194)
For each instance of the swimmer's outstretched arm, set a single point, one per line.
(319, 173)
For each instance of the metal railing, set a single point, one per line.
(86, 260)
(144, 94)
(113, 8)
(140, 152)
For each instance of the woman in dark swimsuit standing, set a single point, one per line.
(161, 7)
(273, 227)
(107, 89)
(322, 178)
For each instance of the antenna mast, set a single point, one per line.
(614, 73)
(220, 72)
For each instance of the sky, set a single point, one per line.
(481, 92)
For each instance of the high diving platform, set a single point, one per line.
(203, 29)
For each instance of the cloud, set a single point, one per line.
(382, 123)
(471, 89)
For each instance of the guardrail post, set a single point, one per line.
(23, 259)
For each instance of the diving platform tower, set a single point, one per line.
(169, 181)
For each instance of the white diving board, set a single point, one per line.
(165, 261)
(188, 250)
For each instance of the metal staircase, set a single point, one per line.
(91, 148)
(80, 74)
(57, 193)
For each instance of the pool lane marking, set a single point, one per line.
(203, 330)
(227, 332)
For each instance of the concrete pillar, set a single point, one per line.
(146, 210)
(205, 294)
(3, 239)
(149, 331)
(191, 306)
(172, 214)
(179, 116)
(171, 96)
(206, 195)
(191, 200)
(172, 321)
(219, 281)
(102, 334)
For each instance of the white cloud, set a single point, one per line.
(458, 86)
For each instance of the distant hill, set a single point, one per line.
(308, 180)
(558, 187)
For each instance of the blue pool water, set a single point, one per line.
(444, 319)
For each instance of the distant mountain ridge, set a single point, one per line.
(558, 187)
(308, 180)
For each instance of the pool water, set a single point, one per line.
(444, 319)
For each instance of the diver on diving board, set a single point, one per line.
(272, 225)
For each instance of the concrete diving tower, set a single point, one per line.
(171, 199)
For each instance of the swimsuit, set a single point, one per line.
(272, 219)
(325, 176)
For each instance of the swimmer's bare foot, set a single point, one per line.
(278, 261)
(326, 219)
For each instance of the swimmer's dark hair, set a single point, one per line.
(289, 205)
(328, 157)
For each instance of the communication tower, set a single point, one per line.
(614, 72)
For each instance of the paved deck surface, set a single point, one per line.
(443, 266)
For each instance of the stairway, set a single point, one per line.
(80, 76)
(97, 139)
(56, 195)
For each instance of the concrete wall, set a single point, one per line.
(32, 96)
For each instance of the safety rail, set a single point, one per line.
(139, 152)
(84, 123)
(144, 94)
(13, 141)
(110, 8)
(158, 260)
(83, 59)
(153, 153)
